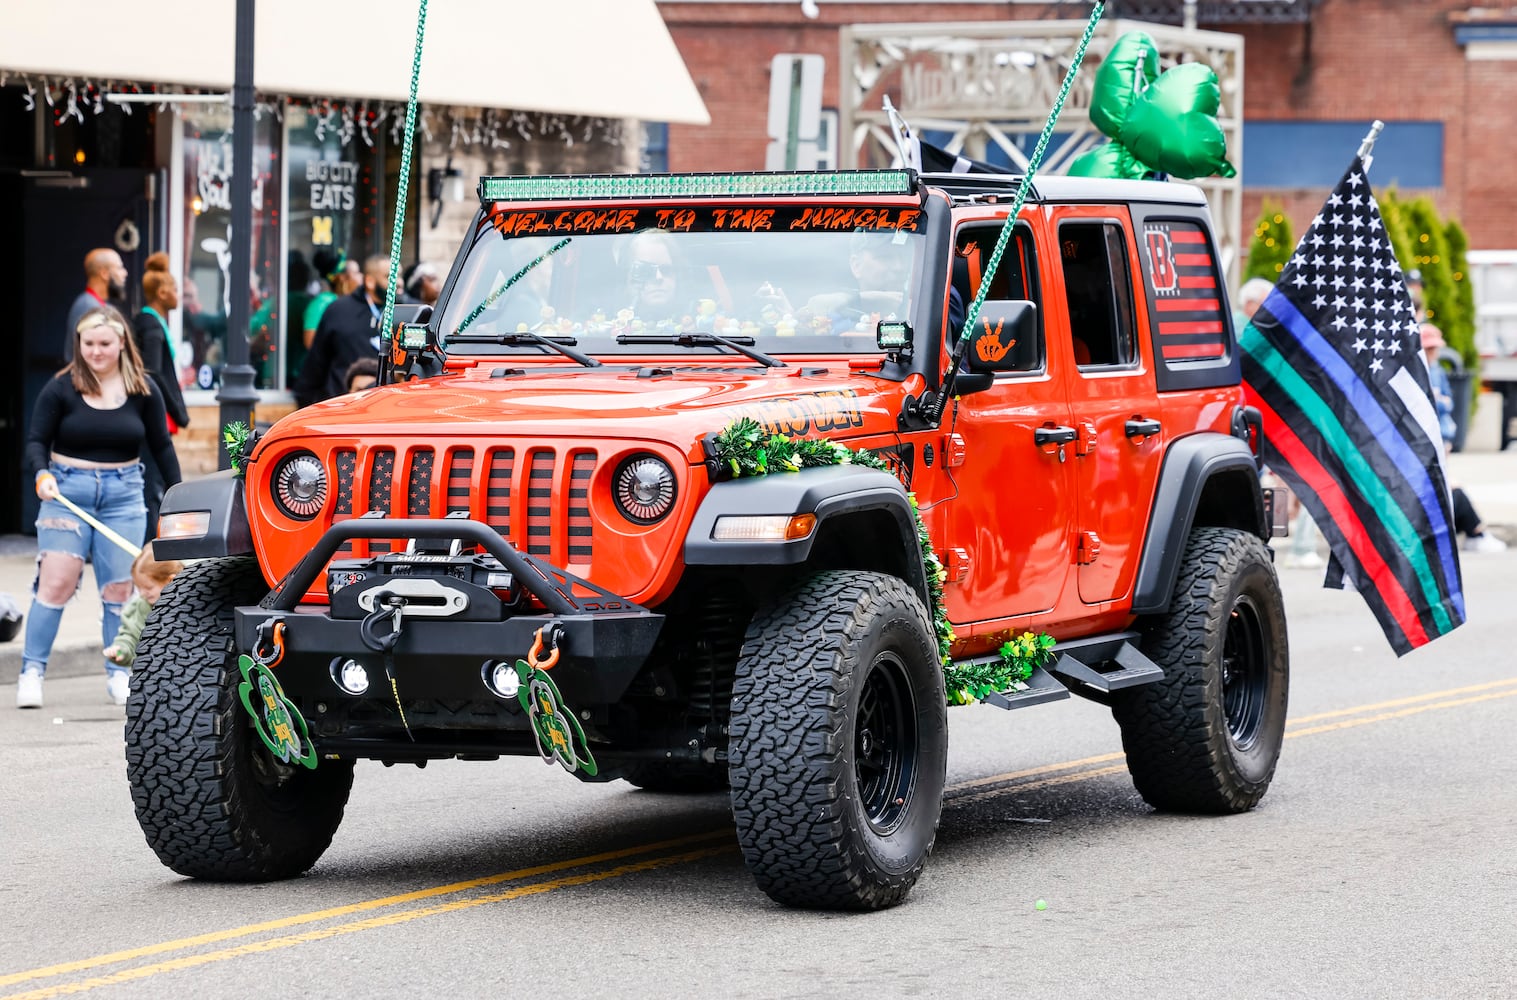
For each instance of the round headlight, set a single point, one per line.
(644, 488)
(300, 486)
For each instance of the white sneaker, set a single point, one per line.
(118, 685)
(1306, 560)
(29, 689)
(1484, 543)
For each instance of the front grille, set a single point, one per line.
(498, 491)
(581, 528)
(460, 472)
(381, 488)
(347, 465)
(540, 505)
(419, 485)
(553, 523)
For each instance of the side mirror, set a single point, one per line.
(1005, 339)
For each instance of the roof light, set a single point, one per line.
(624, 186)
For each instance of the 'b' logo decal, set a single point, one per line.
(1161, 262)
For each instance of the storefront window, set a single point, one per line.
(207, 293)
(331, 212)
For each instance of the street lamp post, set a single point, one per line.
(237, 394)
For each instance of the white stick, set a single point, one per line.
(107, 532)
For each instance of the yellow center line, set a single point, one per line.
(1403, 713)
(385, 920)
(1428, 696)
(343, 911)
(1082, 770)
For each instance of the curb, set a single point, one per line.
(68, 659)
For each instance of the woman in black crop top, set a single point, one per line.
(88, 426)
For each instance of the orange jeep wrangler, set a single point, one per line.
(529, 539)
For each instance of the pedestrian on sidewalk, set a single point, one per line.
(86, 431)
(348, 330)
(149, 577)
(155, 342)
(104, 284)
(1466, 521)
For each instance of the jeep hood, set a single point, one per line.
(667, 404)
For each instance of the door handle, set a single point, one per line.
(1140, 427)
(1060, 436)
(1053, 435)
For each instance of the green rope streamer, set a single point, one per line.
(973, 313)
(405, 180)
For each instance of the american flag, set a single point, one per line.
(1333, 362)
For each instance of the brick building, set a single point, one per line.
(1315, 73)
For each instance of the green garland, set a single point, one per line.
(746, 450)
(970, 682)
(238, 438)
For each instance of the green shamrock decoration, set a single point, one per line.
(1158, 122)
(559, 734)
(279, 723)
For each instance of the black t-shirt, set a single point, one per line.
(348, 330)
(63, 422)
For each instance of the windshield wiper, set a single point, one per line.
(520, 337)
(738, 344)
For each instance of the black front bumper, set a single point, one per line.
(603, 640)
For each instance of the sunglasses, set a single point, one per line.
(643, 271)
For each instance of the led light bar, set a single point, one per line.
(593, 186)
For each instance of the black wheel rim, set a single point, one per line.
(1245, 673)
(885, 744)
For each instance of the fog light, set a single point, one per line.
(187, 524)
(500, 677)
(763, 528)
(350, 676)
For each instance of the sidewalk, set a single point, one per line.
(1490, 479)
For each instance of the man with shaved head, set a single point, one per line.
(348, 330)
(104, 280)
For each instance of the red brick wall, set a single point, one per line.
(1359, 59)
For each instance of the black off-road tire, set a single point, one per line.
(211, 800)
(678, 777)
(1205, 739)
(839, 743)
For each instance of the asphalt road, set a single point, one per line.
(1382, 863)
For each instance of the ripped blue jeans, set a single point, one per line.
(114, 498)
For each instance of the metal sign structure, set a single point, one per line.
(989, 86)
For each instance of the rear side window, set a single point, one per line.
(1192, 332)
(1098, 292)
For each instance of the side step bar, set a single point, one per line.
(1092, 667)
(1106, 663)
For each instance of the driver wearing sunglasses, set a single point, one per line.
(652, 276)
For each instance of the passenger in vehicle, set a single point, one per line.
(880, 267)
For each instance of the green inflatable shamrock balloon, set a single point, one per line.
(1158, 122)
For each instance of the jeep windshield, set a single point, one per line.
(791, 279)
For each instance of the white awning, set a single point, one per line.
(607, 58)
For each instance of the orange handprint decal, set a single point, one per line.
(989, 347)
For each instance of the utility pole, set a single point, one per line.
(237, 394)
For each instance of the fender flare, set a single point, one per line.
(830, 492)
(228, 534)
(1189, 465)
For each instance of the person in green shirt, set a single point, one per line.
(341, 275)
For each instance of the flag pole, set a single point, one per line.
(1367, 147)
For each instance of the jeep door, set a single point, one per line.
(1010, 506)
(1119, 445)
